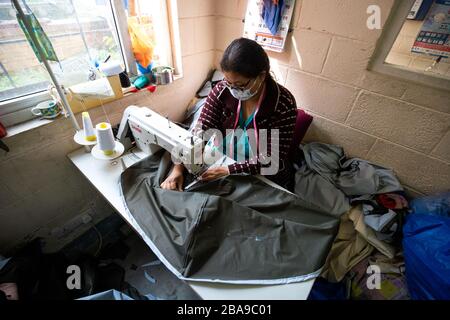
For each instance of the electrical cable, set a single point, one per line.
(100, 240)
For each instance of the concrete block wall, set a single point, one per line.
(41, 189)
(386, 120)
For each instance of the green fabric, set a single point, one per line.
(41, 37)
(244, 124)
(244, 140)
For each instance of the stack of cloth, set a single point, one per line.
(371, 196)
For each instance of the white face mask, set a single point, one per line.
(244, 94)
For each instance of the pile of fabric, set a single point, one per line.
(406, 243)
(370, 230)
(370, 195)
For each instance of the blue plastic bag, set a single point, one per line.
(438, 205)
(426, 246)
(324, 290)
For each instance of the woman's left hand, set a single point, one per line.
(214, 173)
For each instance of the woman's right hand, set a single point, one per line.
(175, 179)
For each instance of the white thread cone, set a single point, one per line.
(105, 137)
(89, 133)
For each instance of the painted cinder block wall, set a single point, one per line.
(41, 189)
(389, 121)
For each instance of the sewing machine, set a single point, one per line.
(152, 132)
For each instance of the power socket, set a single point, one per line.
(70, 226)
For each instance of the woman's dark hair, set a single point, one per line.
(246, 57)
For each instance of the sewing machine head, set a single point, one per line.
(152, 132)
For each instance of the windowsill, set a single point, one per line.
(38, 122)
(28, 125)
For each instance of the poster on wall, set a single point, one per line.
(433, 37)
(419, 9)
(267, 22)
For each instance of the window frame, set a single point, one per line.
(120, 22)
(17, 110)
(391, 29)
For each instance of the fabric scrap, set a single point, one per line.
(353, 243)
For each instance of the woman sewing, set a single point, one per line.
(247, 98)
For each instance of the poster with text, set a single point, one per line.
(256, 29)
(433, 38)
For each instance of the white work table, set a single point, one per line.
(105, 175)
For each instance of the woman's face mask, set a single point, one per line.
(245, 94)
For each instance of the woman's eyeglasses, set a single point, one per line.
(230, 86)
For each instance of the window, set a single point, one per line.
(151, 17)
(80, 31)
(402, 50)
(83, 33)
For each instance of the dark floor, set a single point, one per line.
(149, 276)
(120, 253)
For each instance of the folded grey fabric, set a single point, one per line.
(323, 158)
(355, 177)
(233, 230)
(312, 187)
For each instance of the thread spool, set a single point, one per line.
(89, 133)
(111, 68)
(105, 137)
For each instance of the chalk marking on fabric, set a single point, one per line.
(150, 264)
(149, 278)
